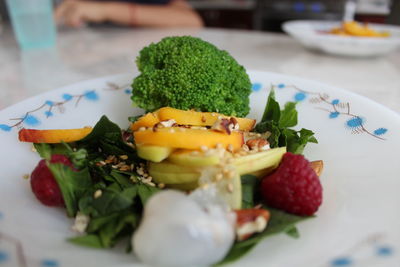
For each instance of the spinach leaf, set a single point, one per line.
(293, 232)
(146, 191)
(280, 222)
(277, 123)
(46, 150)
(87, 241)
(73, 184)
(249, 184)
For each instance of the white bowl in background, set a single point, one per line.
(313, 35)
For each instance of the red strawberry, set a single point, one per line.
(43, 184)
(293, 187)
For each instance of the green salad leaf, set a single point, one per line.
(111, 198)
(280, 222)
(278, 122)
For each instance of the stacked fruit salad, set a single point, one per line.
(191, 182)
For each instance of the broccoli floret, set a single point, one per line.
(189, 73)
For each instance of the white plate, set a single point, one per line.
(359, 142)
(311, 35)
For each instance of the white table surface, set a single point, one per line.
(88, 53)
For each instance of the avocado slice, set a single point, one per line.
(193, 158)
(153, 153)
(268, 159)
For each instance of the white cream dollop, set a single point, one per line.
(177, 230)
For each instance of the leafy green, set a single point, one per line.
(73, 184)
(277, 123)
(87, 241)
(280, 222)
(110, 197)
(249, 183)
(293, 232)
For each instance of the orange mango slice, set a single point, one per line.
(53, 136)
(188, 117)
(187, 138)
(147, 120)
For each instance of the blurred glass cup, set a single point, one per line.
(33, 23)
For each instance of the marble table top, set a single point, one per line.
(88, 53)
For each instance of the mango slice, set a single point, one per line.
(195, 118)
(194, 139)
(147, 120)
(53, 136)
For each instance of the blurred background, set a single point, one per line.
(268, 15)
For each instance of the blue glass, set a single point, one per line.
(33, 23)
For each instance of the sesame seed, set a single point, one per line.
(218, 177)
(161, 186)
(229, 187)
(245, 148)
(182, 129)
(98, 193)
(123, 157)
(219, 146)
(171, 130)
(151, 184)
(194, 153)
(140, 171)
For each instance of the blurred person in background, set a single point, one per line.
(148, 13)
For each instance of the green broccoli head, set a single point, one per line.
(189, 73)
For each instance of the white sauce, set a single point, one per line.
(177, 230)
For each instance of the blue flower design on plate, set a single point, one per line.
(355, 122)
(342, 261)
(48, 113)
(49, 103)
(384, 251)
(128, 91)
(91, 95)
(67, 97)
(256, 87)
(3, 256)
(49, 263)
(5, 127)
(380, 131)
(335, 102)
(281, 85)
(300, 96)
(31, 120)
(334, 115)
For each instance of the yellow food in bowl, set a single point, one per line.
(353, 28)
